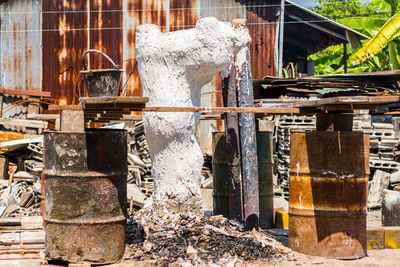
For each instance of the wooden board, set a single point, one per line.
(353, 100)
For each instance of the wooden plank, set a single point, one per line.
(341, 107)
(10, 221)
(20, 254)
(346, 100)
(25, 92)
(132, 117)
(64, 107)
(43, 117)
(32, 222)
(24, 123)
(114, 100)
(224, 110)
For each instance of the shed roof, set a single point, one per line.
(306, 32)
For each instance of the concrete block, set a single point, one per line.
(281, 220)
(376, 238)
(392, 237)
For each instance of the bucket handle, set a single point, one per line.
(96, 51)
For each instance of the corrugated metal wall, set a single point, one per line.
(20, 61)
(50, 60)
(73, 26)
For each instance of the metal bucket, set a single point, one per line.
(85, 195)
(328, 193)
(101, 82)
(220, 177)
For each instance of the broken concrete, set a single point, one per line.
(173, 68)
(379, 182)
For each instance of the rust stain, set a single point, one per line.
(328, 193)
(62, 48)
(263, 37)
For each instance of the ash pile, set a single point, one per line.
(201, 241)
(21, 165)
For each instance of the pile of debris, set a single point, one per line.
(139, 162)
(21, 168)
(194, 240)
(383, 144)
(21, 198)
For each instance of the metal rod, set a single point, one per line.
(233, 149)
(248, 142)
(345, 57)
(280, 49)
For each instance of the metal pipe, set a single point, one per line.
(233, 150)
(345, 57)
(248, 141)
(280, 49)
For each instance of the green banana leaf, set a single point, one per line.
(387, 33)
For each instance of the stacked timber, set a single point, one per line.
(21, 238)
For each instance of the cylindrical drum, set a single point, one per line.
(328, 193)
(85, 195)
(220, 175)
(265, 182)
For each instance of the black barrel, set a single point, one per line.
(265, 171)
(85, 195)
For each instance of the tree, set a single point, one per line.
(379, 53)
(335, 9)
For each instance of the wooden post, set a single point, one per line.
(248, 142)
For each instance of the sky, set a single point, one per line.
(305, 3)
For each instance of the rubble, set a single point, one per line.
(198, 240)
(21, 198)
(380, 182)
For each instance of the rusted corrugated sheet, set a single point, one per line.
(64, 40)
(106, 32)
(20, 45)
(20, 60)
(136, 13)
(262, 23)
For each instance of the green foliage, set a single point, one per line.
(341, 9)
(369, 18)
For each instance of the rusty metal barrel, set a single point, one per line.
(220, 177)
(328, 193)
(85, 195)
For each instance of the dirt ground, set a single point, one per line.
(384, 257)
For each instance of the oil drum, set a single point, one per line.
(328, 193)
(265, 182)
(85, 195)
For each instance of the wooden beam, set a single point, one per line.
(43, 117)
(25, 92)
